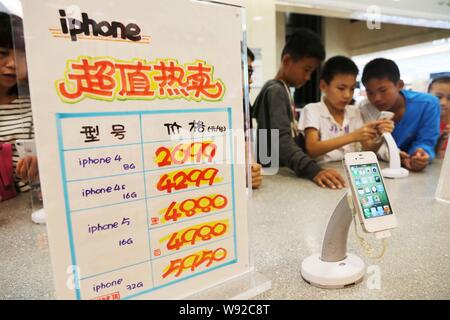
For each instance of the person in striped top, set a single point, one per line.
(15, 114)
(440, 87)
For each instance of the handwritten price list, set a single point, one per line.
(149, 198)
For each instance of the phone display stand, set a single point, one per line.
(38, 213)
(37, 206)
(443, 187)
(334, 268)
(395, 169)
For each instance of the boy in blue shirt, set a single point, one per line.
(416, 118)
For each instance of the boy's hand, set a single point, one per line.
(419, 160)
(27, 168)
(256, 175)
(404, 155)
(385, 126)
(405, 159)
(329, 178)
(365, 133)
(416, 162)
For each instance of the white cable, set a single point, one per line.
(366, 245)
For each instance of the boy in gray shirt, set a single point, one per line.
(274, 107)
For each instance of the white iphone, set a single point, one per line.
(25, 147)
(386, 115)
(369, 192)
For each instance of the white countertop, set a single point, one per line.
(289, 219)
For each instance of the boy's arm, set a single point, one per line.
(291, 154)
(364, 135)
(428, 133)
(316, 147)
(310, 124)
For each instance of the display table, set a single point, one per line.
(289, 220)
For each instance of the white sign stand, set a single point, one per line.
(136, 208)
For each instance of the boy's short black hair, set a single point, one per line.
(338, 65)
(250, 54)
(381, 68)
(445, 80)
(304, 43)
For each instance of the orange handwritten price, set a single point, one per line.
(192, 235)
(193, 261)
(185, 152)
(191, 207)
(111, 296)
(183, 179)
